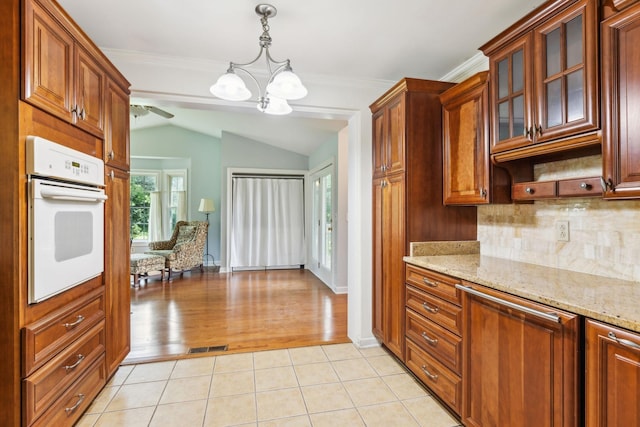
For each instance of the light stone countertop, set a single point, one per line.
(612, 301)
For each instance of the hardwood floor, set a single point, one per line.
(245, 311)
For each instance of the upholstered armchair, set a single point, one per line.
(185, 249)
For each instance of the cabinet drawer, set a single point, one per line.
(443, 382)
(435, 309)
(435, 340)
(45, 338)
(76, 399)
(533, 190)
(434, 283)
(49, 382)
(580, 187)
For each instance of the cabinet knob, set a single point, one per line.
(111, 155)
(528, 133)
(112, 175)
(538, 129)
(483, 193)
(585, 186)
(529, 190)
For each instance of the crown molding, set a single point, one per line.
(468, 68)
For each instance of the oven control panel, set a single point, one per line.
(49, 159)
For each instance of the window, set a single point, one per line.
(142, 186)
(158, 202)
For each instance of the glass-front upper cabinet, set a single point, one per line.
(544, 81)
(511, 94)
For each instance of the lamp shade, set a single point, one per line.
(287, 85)
(231, 87)
(276, 106)
(206, 205)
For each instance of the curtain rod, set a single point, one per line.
(265, 176)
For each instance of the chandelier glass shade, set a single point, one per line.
(282, 84)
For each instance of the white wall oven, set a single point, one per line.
(66, 217)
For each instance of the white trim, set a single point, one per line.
(468, 68)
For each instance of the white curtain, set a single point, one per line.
(181, 205)
(267, 222)
(155, 217)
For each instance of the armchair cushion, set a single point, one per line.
(185, 233)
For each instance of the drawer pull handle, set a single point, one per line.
(585, 186)
(429, 282)
(432, 341)
(547, 316)
(75, 365)
(433, 310)
(623, 341)
(74, 407)
(432, 377)
(79, 320)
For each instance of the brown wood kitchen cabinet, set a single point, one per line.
(521, 364)
(544, 81)
(62, 73)
(116, 133)
(434, 342)
(469, 176)
(116, 276)
(407, 196)
(612, 376)
(620, 104)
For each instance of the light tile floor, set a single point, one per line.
(331, 385)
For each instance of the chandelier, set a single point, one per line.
(282, 84)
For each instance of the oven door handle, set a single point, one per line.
(72, 195)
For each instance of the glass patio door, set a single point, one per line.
(322, 225)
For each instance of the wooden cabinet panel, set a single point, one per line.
(393, 244)
(396, 144)
(89, 93)
(521, 366)
(380, 142)
(436, 376)
(621, 104)
(117, 278)
(47, 62)
(534, 190)
(469, 177)
(116, 135)
(68, 409)
(579, 187)
(377, 296)
(46, 337)
(544, 81)
(435, 309)
(612, 376)
(47, 384)
(445, 346)
(435, 283)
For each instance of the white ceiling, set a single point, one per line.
(368, 40)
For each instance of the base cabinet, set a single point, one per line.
(612, 376)
(521, 364)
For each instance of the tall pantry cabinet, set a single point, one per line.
(59, 353)
(407, 196)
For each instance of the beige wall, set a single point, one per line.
(604, 235)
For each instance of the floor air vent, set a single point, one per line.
(196, 350)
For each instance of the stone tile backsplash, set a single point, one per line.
(604, 236)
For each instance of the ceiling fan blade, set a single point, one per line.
(159, 112)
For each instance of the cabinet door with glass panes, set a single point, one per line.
(544, 84)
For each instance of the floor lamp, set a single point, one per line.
(207, 207)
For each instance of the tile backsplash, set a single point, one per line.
(604, 236)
